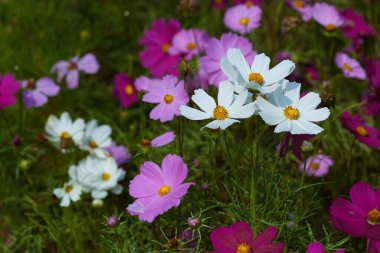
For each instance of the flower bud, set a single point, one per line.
(112, 221)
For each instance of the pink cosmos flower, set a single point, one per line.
(124, 90)
(372, 94)
(303, 7)
(218, 4)
(364, 133)
(189, 43)
(349, 66)
(159, 141)
(36, 93)
(359, 217)
(327, 15)
(354, 25)
(238, 238)
(157, 42)
(373, 246)
(8, 87)
(199, 80)
(216, 49)
(169, 94)
(142, 83)
(316, 247)
(71, 69)
(121, 154)
(242, 19)
(248, 3)
(317, 165)
(158, 190)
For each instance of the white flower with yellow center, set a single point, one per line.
(63, 132)
(259, 76)
(98, 176)
(225, 113)
(70, 191)
(293, 114)
(96, 138)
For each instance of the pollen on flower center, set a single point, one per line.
(92, 144)
(347, 67)
(72, 65)
(361, 131)
(291, 113)
(191, 46)
(164, 190)
(66, 139)
(220, 113)
(256, 77)
(314, 166)
(299, 3)
(68, 188)
(165, 47)
(31, 84)
(129, 89)
(244, 21)
(243, 248)
(168, 98)
(329, 27)
(373, 217)
(106, 176)
(65, 135)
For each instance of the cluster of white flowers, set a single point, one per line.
(99, 172)
(258, 90)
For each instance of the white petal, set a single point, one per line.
(316, 115)
(58, 192)
(309, 102)
(65, 201)
(271, 119)
(280, 99)
(193, 114)
(279, 72)
(242, 112)
(203, 100)
(284, 126)
(240, 100)
(292, 91)
(225, 94)
(227, 122)
(310, 127)
(267, 107)
(237, 59)
(74, 197)
(231, 71)
(99, 194)
(268, 88)
(298, 128)
(260, 64)
(117, 189)
(215, 124)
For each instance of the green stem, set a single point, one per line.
(255, 165)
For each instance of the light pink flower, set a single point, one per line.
(327, 15)
(142, 83)
(303, 7)
(189, 42)
(349, 66)
(36, 93)
(317, 165)
(242, 19)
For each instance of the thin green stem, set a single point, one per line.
(254, 174)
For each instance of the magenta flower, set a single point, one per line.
(327, 15)
(303, 7)
(242, 19)
(124, 90)
(359, 217)
(218, 4)
(373, 246)
(216, 49)
(354, 25)
(121, 154)
(316, 247)
(317, 165)
(189, 43)
(312, 72)
(159, 141)
(36, 93)
(71, 69)
(8, 87)
(364, 133)
(238, 238)
(169, 94)
(248, 3)
(372, 94)
(157, 42)
(349, 66)
(158, 190)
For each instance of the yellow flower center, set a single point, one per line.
(191, 46)
(299, 3)
(244, 21)
(168, 98)
(373, 217)
(65, 139)
(129, 89)
(361, 131)
(65, 135)
(314, 166)
(68, 188)
(165, 47)
(329, 27)
(106, 176)
(256, 77)
(220, 113)
(164, 190)
(248, 4)
(347, 67)
(243, 248)
(291, 113)
(92, 144)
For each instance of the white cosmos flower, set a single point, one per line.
(98, 176)
(292, 114)
(63, 132)
(225, 113)
(70, 191)
(258, 76)
(96, 138)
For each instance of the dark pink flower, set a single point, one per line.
(354, 25)
(372, 94)
(218, 4)
(36, 93)
(312, 72)
(359, 217)
(373, 246)
(364, 133)
(316, 247)
(124, 90)
(157, 42)
(8, 87)
(238, 238)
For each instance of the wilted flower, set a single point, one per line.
(327, 15)
(350, 67)
(317, 165)
(8, 87)
(124, 90)
(36, 92)
(242, 19)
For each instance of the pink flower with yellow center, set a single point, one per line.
(349, 66)
(189, 43)
(124, 90)
(327, 15)
(242, 19)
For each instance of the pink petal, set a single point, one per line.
(47, 86)
(363, 196)
(163, 139)
(265, 237)
(72, 79)
(174, 170)
(88, 64)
